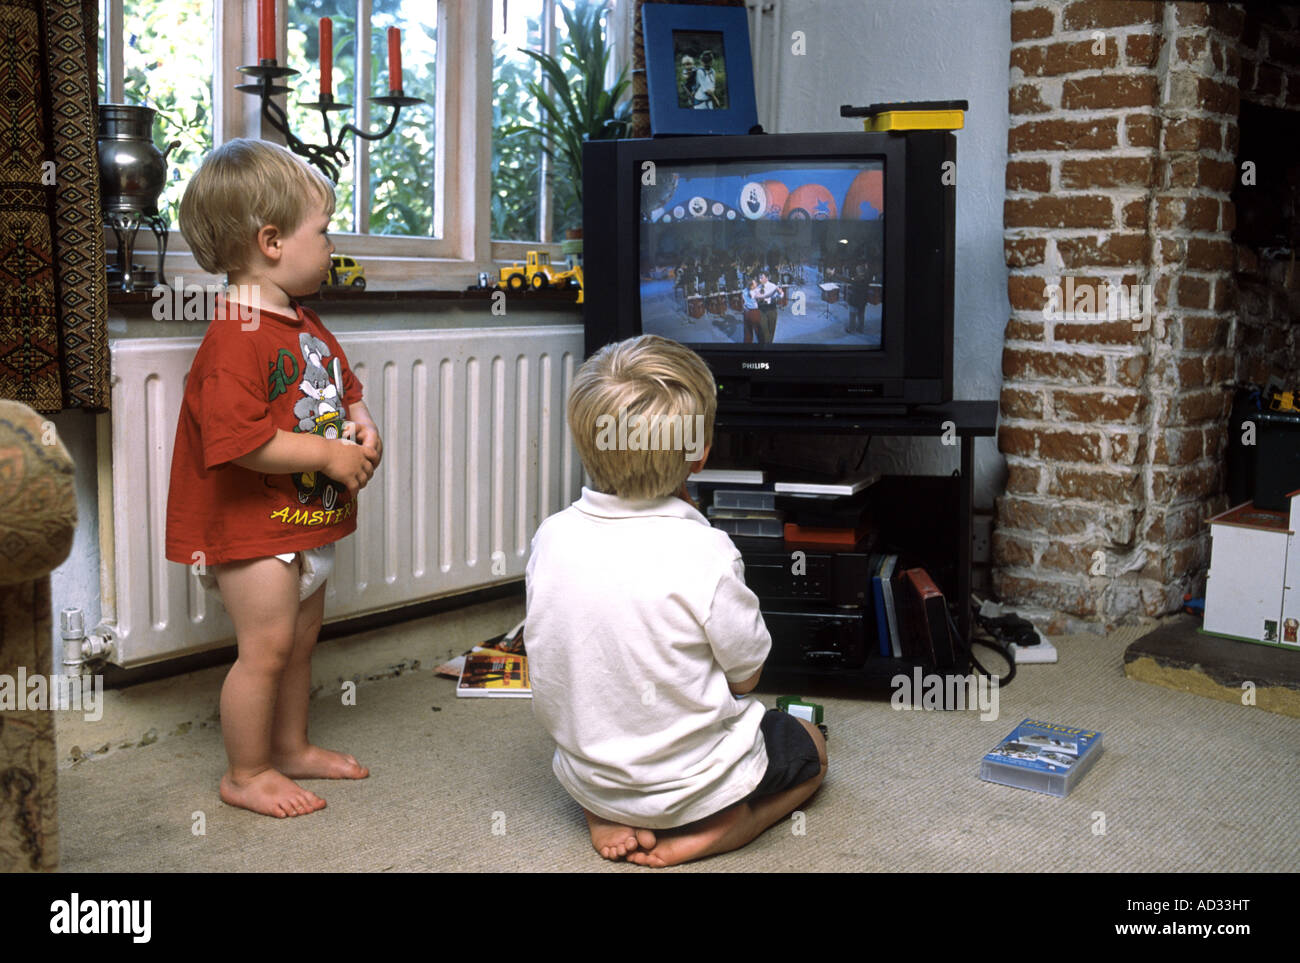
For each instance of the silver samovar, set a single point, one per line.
(132, 175)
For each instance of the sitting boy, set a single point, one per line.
(642, 636)
(264, 479)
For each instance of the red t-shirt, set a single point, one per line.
(242, 387)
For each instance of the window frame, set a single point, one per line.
(463, 111)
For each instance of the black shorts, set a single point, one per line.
(791, 754)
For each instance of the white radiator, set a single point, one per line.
(476, 455)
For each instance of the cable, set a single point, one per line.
(993, 643)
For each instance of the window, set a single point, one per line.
(532, 196)
(162, 55)
(417, 208)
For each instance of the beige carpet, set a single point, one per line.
(1185, 783)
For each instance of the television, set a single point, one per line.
(812, 272)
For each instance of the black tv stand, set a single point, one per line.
(955, 422)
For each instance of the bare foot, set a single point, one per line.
(271, 793)
(616, 840)
(313, 762)
(716, 834)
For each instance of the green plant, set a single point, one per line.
(581, 109)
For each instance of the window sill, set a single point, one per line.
(538, 299)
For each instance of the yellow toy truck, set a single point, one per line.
(540, 274)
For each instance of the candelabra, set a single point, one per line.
(330, 156)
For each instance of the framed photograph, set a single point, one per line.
(698, 69)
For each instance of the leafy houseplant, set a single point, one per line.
(578, 109)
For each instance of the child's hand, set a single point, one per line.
(350, 465)
(368, 438)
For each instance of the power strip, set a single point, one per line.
(1044, 651)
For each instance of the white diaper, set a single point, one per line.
(316, 566)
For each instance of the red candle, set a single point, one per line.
(265, 29)
(394, 60)
(326, 56)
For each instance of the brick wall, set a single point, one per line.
(1268, 279)
(1120, 165)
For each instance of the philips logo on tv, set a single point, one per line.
(755, 365)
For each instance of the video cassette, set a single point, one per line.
(1042, 757)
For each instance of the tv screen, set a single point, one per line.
(756, 253)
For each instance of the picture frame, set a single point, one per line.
(699, 72)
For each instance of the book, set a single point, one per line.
(726, 476)
(844, 537)
(897, 642)
(494, 674)
(889, 646)
(925, 618)
(1042, 757)
(845, 486)
(512, 642)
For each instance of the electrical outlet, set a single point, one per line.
(982, 539)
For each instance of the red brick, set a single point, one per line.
(1031, 24)
(1142, 49)
(1026, 292)
(1216, 175)
(1125, 446)
(1209, 404)
(1134, 213)
(1209, 255)
(1218, 98)
(1012, 550)
(1192, 133)
(1098, 332)
(1225, 294)
(1178, 483)
(1018, 330)
(1024, 364)
(1052, 60)
(1024, 252)
(1087, 14)
(1074, 598)
(1063, 135)
(1191, 47)
(1177, 447)
(1081, 211)
(1094, 407)
(1099, 93)
(1193, 14)
(1070, 446)
(1029, 176)
(1191, 373)
(1118, 250)
(1023, 478)
(1118, 487)
(1017, 441)
(1204, 334)
(1181, 170)
(1193, 292)
(1108, 172)
(1140, 130)
(1026, 99)
(1021, 404)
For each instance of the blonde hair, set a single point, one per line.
(239, 188)
(641, 411)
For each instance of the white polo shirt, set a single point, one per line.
(638, 617)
